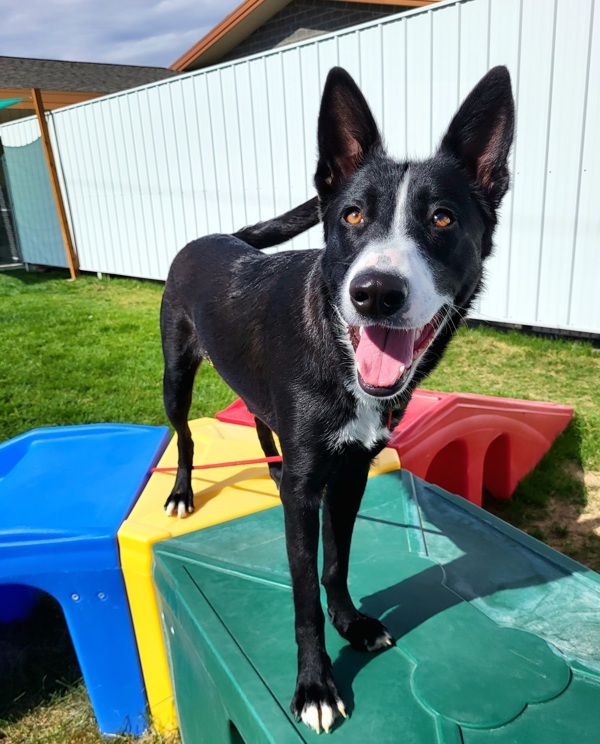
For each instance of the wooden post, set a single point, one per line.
(60, 207)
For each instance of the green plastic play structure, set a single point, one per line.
(498, 636)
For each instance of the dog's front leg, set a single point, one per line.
(340, 507)
(316, 700)
(182, 358)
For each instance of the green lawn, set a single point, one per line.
(82, 352)
(89, 351)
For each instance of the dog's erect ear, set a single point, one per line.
(346, 133)
(481, 133)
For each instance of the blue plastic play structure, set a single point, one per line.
(64, 492)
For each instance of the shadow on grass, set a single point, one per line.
(37, 660)
(549, 502)
(39, 277)
(42, 275)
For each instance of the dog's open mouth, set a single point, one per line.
(384, 356)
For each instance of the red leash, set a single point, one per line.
(233, 463)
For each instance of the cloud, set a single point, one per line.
(137, 32)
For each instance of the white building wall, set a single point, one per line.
(148, 170)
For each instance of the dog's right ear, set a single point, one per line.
(481, 133)
(346, 133)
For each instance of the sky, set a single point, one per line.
(129, 32)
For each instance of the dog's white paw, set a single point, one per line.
(316, 701)
(178, 508)
(320, 717)
(384, 640)
(364, 633)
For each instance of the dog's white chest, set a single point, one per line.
(365, 428)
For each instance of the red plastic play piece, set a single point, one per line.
(236, 413)
(465, 443)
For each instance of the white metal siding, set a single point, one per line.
(147, 170)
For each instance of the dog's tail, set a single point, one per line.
(282, 228)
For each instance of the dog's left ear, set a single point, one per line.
(346, 132)
(481, 133)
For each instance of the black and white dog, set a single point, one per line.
(325, 347)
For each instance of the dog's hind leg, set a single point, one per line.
(182, 359)
(265, 437)
(340, 506)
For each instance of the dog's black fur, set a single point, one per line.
(290, 333)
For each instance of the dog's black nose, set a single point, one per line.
(377, 295)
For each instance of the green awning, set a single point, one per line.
(6, 102)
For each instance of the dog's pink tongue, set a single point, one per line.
(383, 354)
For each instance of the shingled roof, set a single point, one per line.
(53, 74)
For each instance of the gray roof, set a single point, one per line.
(53, 74)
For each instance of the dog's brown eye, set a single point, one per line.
(354, 216)
(442, 218)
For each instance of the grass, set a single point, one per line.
(42, 698)
(559, 503)
(89, 351)
(82, 352)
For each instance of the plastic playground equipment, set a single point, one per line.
(497, 635)
(138, 589)
(466, 443)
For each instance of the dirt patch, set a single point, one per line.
(573, 528)
(591, 479)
